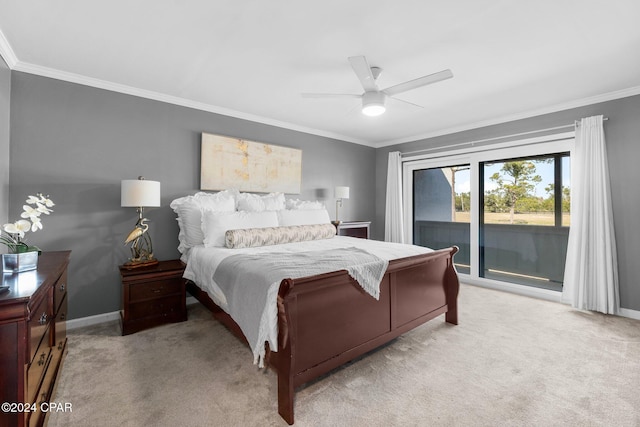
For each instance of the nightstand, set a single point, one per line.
(152, 296)
(354, 229)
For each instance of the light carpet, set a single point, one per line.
(512, 361)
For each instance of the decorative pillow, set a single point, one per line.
(255, 203)
(189, 211)
(215, 224)
(304, 204)
(303, 217)
(251, 237)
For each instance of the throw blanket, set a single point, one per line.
(250, 283)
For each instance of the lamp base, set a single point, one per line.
(130, 265)
(336, 222)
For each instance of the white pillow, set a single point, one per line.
(303, 217)
(189, 211)
(273, 201)
(216, 224)
(304, 204)
(255, 203)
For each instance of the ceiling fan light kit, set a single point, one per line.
(373, 103)
(373, 99)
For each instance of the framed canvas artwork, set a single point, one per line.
(233, 163)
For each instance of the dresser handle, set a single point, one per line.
(63, 316)
(41, 360)
(60, 345)
(61, 287)
(43, 319)
(157, 291)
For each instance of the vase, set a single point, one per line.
(16, 263)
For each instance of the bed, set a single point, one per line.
(326, 319)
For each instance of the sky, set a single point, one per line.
(545, 170)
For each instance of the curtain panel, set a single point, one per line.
(591, 270)
(393, 222)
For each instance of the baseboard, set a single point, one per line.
(536, 293)
(92, 320)
(104, 317)
(633, 314)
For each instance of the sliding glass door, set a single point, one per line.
(507, 208)
(524, 220)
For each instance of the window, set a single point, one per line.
(500, 206)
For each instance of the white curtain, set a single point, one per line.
(591, 271)
(393, 222)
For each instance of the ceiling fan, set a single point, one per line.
(373, 99)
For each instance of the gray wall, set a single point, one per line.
(622, 132)
(77, 143)
(5, 100)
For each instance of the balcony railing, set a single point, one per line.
(526, 254)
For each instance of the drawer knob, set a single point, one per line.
(63, 316)
(60, 345)
(61, 287)
(43, 319)
(41, 360)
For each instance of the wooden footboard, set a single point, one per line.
(327, 320)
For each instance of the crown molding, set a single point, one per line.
(156, 96)
(6, 52)
(519, 116)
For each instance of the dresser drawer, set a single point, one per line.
(36, 370)
(59, 335)
(38, 326)
(44, 394)
(59, 291)
(154, 289)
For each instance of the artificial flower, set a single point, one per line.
(15, 232)
(19, 227)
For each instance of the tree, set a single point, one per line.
(515, 180)
(453, 170)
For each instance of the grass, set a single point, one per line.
(542, 218)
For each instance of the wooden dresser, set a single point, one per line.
(33, 338)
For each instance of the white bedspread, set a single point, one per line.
(202, 262)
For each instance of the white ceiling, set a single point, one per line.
(252, 59)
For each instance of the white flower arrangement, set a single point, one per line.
(14, 232)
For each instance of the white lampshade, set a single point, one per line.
(342, 192)
(137, 193)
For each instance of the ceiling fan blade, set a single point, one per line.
(419, 82)
(363, 71)
(330, 95)
(405, 102)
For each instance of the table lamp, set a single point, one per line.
(140, 193)
(341, 193)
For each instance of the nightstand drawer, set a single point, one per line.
(156, 289)
(155, 307)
